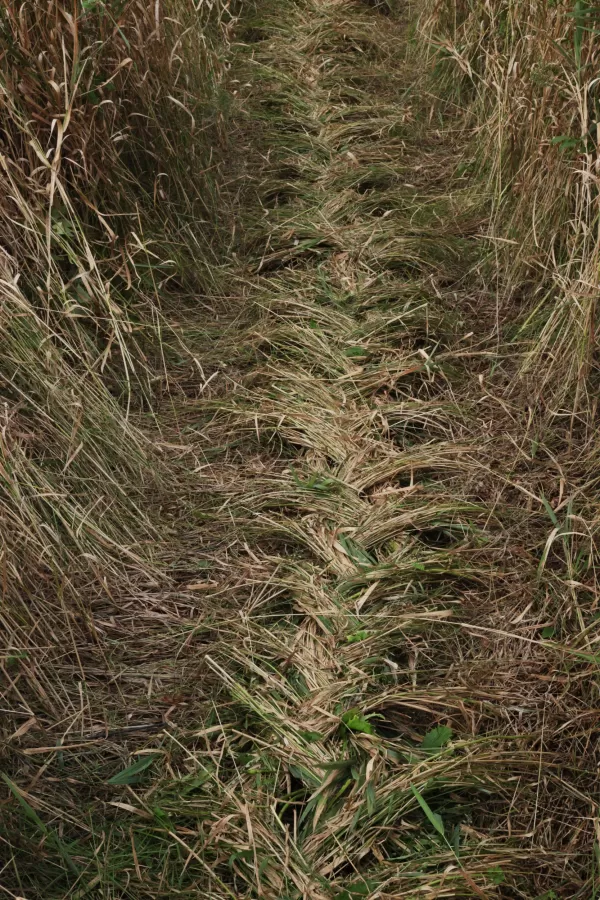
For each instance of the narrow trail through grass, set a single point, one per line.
(389, 659)
(368, 686)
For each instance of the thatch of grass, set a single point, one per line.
(329, 629)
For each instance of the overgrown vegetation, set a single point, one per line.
(527, 74)
(111, 123)
(298, 483)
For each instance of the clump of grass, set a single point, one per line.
(112, 134)
(527, 74)
(103, 193)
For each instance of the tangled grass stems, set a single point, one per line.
(298, 482)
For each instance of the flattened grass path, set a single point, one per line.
(387, 660)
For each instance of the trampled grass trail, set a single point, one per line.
(379, 682)
(390, 723)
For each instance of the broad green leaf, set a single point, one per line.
(437, 738)
(355, 721)
(311, 736)
(361, 635)
(264, 864)
(339, 764)
(566, 143)
(326, 623)
(434, 818)
(162, 818)
(131, 773)
(15, 656)
(304, 775)
(496, 875)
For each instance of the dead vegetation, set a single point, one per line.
(298, 479)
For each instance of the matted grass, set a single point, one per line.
(346, 648)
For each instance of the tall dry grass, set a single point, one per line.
(528, 71)
(112, 131)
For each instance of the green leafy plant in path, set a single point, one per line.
(298, 468)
